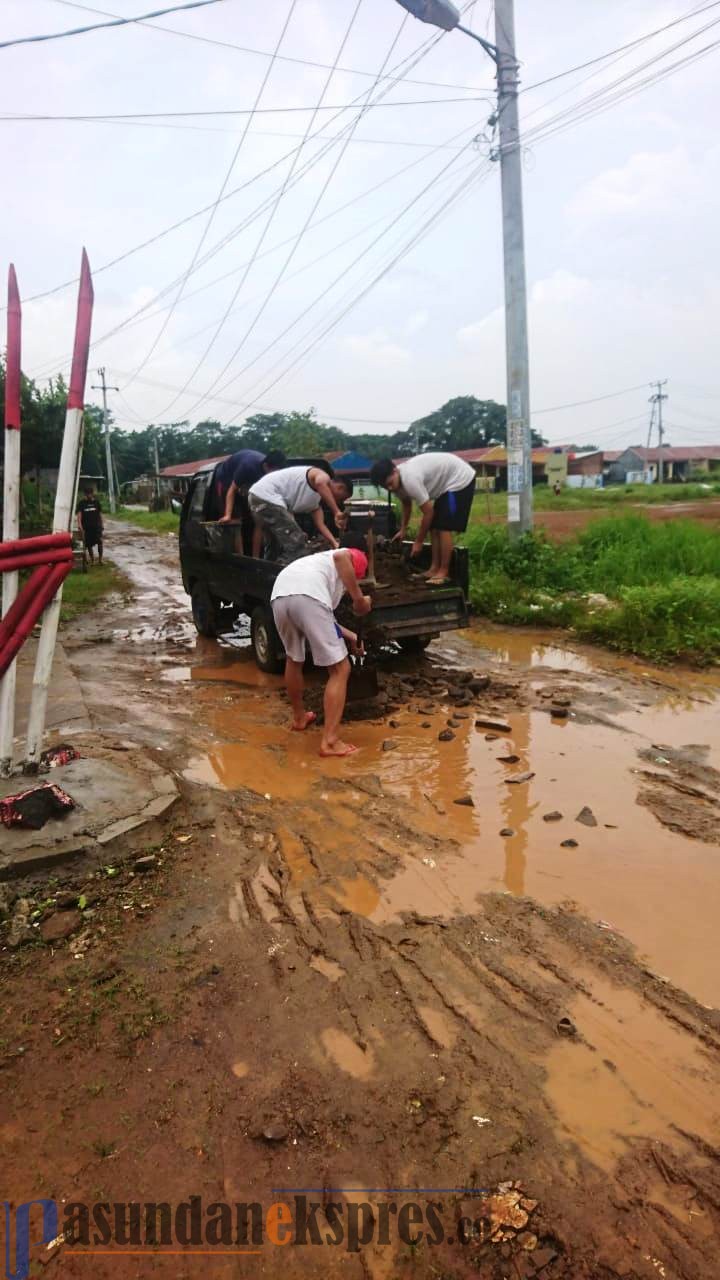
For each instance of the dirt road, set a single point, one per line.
(565, 524)
(336, 978)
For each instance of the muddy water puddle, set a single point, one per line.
(653, 885)
(632, 1075)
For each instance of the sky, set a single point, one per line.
(350, 260)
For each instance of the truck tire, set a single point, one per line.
(414, 644)
(204, 611)
(265, 640)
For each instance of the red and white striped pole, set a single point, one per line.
(64, 504)
(11, 506)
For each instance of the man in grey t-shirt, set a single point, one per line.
(443, 487)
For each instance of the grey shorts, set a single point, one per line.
(300, 619)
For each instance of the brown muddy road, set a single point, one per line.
(338, 979)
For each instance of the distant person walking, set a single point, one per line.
(90, 524)
(443, 487)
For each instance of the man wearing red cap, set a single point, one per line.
(304, 599)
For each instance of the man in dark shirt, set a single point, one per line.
(90, 524)
(235, 476)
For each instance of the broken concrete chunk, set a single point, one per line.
(569, 844)
(487, 722)
(507, 832)
(555, 816)
(519, 777)
(509, 759)
(60, 925)
(587, 817)
(465, 800)
(478, 684)
(446, 735)
(148, 863)
(389, 745)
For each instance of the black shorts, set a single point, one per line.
(452, 510)
(92, 538)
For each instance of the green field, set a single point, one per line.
(153, 521)
(82, 591)
(662, 582)
(626, 495)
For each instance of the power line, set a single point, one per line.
(21, 118)
(308, 220)
(461, 191)
(579, 404)
(214, 208)
(143, 313)
(263, 53)
(274, 208)
(412, 59)
(114, 22)
(632, 44)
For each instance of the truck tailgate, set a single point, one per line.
(415, 614)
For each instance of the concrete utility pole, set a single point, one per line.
(519, 448)
(106, 432)
(444, 14)
(157, 464)
(657, 399)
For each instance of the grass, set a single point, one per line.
(662, 582)
(595, 499)
(82, 591)
(153, 521)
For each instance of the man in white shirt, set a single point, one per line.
(304, 599)
(279, 496)
(443, 487)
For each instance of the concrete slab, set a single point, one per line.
(114, 792)
(66, 710)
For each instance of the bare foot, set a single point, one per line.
(431, 573)
(337, 748)
(299, 726)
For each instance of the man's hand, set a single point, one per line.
(362, 605)
(398, 537)
(341, 519)
(224, 519)
(416, 548)
(357, 648)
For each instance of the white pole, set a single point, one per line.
(64, 503)
(64, 507)
(519, 451)
(11, 506)
(11, 531)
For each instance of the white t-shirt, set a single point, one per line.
(428, 476)
(315, 576)
(287, 488)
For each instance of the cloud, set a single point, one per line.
(649, 183)
(376, 350)
(416, 322)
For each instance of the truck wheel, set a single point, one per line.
(414, 644)
(203, 611)
(266, 641)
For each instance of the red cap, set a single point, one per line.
(359, 562)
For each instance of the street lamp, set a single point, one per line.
(444, 14)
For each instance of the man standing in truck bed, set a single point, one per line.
(443, 487)
(236, 475)
(276, 499)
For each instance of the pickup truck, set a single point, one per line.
(223, 584)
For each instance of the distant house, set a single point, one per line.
(639, 465)
(176, 480)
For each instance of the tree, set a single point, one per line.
(462, 423)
